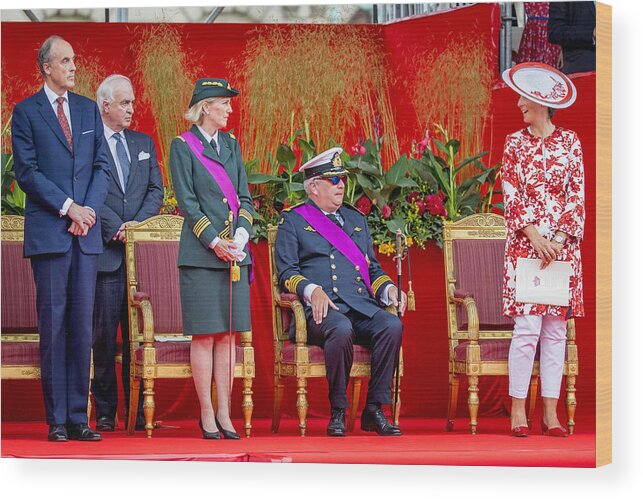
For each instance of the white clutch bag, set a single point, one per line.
(548, 286)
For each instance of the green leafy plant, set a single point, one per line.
(462, 195)
(13, 197)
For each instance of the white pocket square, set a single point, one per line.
(143, 155)
(88, 131)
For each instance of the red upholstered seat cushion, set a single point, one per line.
(478, 268)
(163, 289)
(20, 353)
(316, 354)
(491, 350)
(18, 291)
(175, 352)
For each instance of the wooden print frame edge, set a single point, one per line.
(604, 234)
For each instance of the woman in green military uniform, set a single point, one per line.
(211, 188)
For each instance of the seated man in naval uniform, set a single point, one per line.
(324, 254)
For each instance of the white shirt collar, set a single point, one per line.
(208, 137)
(109, 132)
(52, 96)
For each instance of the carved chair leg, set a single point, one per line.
(89, 406)
(395, 409)
(213, 396)
(276, 404)
(134, 391)
(533, 394)
(353, 402)
(570, 402)
(148, 406)
(246, 405)
(302, 404)
(454, 385)
(474, 402)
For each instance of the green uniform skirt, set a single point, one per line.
(205, 300)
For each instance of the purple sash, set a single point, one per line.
(216, 170)
(338, 238)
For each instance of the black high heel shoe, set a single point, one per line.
(228, 435)
(209, 435)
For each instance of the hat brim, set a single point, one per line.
(517, 79)
(233, 92)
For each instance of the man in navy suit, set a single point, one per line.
(60, 159)
(135, 193)
(324, 254)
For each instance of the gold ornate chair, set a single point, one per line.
(479, 335)
(20, 339)
(303, 361)
(158, 347)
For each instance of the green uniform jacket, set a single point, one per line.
(201, 201)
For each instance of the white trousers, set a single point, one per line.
(552, 332)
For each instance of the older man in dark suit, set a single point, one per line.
(135, 193)
(324, 254)
(61, 163)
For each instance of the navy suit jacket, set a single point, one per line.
(571, 25)
(142, 198)
(49, 173)
(303, 257)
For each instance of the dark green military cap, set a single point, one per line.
(211, 87)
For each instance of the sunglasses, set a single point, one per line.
(335, 179)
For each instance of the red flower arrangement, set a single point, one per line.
(363, 204)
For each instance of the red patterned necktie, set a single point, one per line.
(62, 119)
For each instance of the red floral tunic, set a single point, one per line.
(550, 195)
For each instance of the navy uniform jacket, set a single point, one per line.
(201, 200)
(49, 173)
(303, 257)
(142, 198)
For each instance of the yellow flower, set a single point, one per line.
(409, 241)
(386, 249)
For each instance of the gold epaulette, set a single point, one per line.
(179, 137)
(292, 282)
(294, 206)
(232, 136)
(378, 283)
(201, 225)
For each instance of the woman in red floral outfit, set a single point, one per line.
(543, 185)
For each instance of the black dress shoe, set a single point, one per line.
(337, 424)
(229, 435)
(209, 435)
(83, 433)
(105, 423)
(375, 420)
(57, 433)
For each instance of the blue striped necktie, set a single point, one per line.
(123, 160)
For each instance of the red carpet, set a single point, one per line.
(424, 442)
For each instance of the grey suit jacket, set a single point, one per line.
(142, 198)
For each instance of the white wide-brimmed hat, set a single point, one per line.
(541, 83)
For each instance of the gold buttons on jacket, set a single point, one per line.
(225, 200)
(334, 277)
(358, 278)
(226, 223)
(359, 290)
(357, 268)
(333, 266)
(334, 290)
(332, 257)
